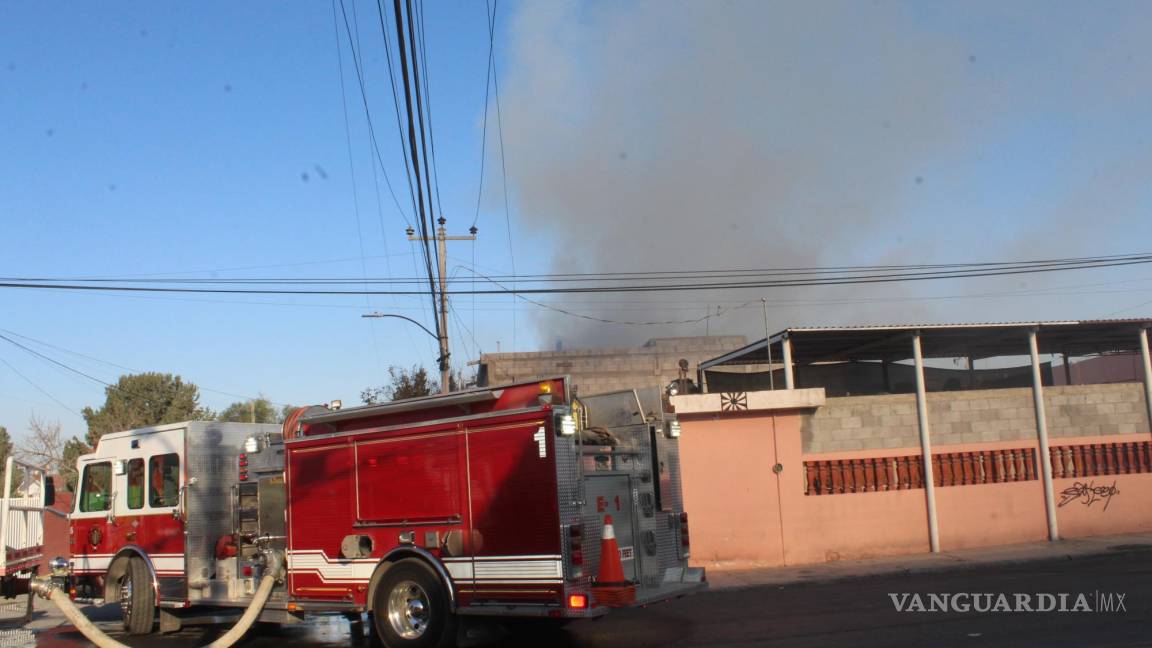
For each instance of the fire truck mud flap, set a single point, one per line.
(678, 581)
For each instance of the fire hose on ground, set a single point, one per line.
(48, 590)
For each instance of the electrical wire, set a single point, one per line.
(38, 387)
(368, 112)
(657, 287)
(503, 168)
(603, 320)
(484, 129)
(352, 164)
(91, 377)
(412, 144)
(713, 274)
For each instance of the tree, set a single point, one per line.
(73, 448)
(7, 449)
(255, 410)
(140, 400)
(405, 383)
(45, 444)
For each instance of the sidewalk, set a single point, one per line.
(735, 576)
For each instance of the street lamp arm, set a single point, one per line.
(403, 317)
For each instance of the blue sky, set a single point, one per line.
(209, 140)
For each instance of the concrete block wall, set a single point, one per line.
(890, 421)
(1082, 410)
(603, 370)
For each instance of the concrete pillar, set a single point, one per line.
(789, 381)
(1045, 458)
(1147, 373)
(926, 445)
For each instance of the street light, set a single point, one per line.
(422, 327)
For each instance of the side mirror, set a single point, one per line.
(49, 490)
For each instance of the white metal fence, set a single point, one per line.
(21, 514)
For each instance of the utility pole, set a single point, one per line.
(442, 239)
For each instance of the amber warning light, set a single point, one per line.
(577, 601)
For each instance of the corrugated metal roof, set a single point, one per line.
(852, 327)
(974, 339)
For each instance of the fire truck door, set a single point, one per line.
(612, 495)
(92, 543)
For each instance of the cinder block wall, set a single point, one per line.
(890, 421)
(596, 371)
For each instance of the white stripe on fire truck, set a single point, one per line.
(489, 569)
(163, 564)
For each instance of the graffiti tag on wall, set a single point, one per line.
(1088, 494)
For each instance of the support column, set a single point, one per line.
(926, 445)
(1045, 458)
(1147, 373)
(789, 380)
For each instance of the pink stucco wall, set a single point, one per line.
(732, 506)
(742, 512)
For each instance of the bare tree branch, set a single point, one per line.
(44, 445)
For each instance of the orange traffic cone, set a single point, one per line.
(611, 588)
(611, 569)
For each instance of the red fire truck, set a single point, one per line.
(423, 512)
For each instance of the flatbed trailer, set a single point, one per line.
(28, 492)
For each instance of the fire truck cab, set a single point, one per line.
(488, 502)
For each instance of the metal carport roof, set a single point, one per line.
(979, 340)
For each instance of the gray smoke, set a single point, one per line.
(660, 135)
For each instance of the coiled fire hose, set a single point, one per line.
(45, 588)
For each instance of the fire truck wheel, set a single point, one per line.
(410, 608)
(137, 598)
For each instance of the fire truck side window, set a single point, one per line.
(97, 490)
(164, 484)
(136, 483)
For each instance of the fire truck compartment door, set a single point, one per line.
(612, 495)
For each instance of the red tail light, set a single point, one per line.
(576, 550)
(684, 541)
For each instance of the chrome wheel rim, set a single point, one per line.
(408, 609)
(126, 598)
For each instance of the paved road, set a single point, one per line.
(857, 612)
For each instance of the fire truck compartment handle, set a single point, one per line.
(45, 588)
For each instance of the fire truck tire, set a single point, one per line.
(411, 608)
(137, 598)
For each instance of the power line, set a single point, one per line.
(865, 279)
(427, 89)
(352, 164)
(38, 387)
(603, 320)
(367, 111)
(592, 286)
(503, 165)
(710, 274)
(88, 376)
(484, 130)
(414, 151)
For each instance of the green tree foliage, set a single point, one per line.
(286, 411)
(140, 400)
(405, 383)
(7, 449)
(73, 448)
(256, 410)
